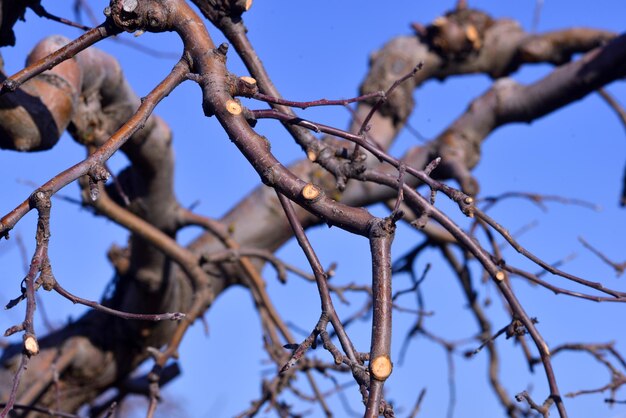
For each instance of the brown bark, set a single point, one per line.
(89, 96)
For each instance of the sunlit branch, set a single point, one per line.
(68, 51)
(105, 151)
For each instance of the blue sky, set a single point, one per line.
(320, 49)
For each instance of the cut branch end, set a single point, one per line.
(248, 80)
(381, 368)
(310, 191)
(31, 346)
(233, 107)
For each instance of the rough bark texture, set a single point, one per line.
(89, 96)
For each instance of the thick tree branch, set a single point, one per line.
(464, 41)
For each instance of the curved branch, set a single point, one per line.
(103, 153)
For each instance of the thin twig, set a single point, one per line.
(365, 124)
(8, 406)
(47, 411)
(168, 316)
(42, 12)
(68, 51)
(507, 236)
(537, 199)
(320, 277)
(100, 156)
(619, 267)
(314, 103)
